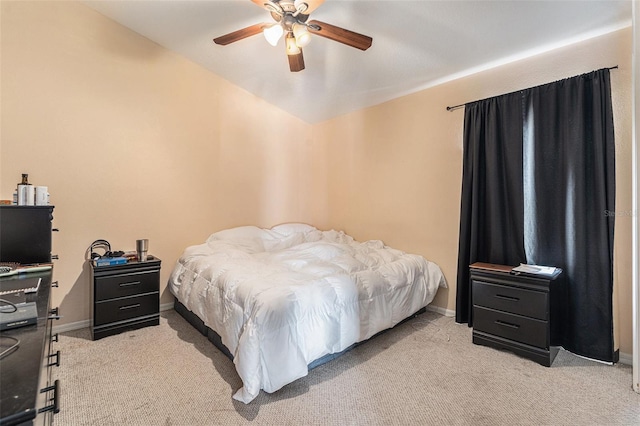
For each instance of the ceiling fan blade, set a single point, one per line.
(350, 38)
(239, 35)
(296, 62)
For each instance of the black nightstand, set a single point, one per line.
(519, 313)
(125, 297)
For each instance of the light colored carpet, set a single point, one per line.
(423, 372)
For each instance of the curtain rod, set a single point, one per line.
(451, 108)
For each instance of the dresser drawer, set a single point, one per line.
(128, 284)
(126, 308)
(514, 327)
(528, 303)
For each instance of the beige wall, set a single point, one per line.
(394, 171)
(136, 142)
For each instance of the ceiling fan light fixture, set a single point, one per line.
(292, 47)
(273, 33)
(302, 35)
(301, 6)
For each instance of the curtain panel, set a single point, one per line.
(492, 216)
(567, 189)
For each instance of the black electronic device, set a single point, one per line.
(21, 315)
(106, 247)
(99, 244)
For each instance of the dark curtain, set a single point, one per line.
(491, 224)
(558, 182)
(570, 200)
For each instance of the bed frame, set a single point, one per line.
(215, 338)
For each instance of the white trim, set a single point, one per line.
(71, 326)
(442, 311)
(623, 358)
(517, 57)
(635, 195)
(626, 359)
(63, 328)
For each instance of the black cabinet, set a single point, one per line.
(125, 297)
(25, 234)
(520, 313)
(29, 395)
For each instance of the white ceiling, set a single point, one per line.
(416, 44)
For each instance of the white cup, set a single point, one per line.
(42, 196)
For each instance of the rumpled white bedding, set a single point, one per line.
(283, 297)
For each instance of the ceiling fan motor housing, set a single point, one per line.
(290, 14)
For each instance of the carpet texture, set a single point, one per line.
(423, 372)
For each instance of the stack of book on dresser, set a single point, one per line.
(536, 270)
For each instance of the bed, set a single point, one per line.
(279, 300)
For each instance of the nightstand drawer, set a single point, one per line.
(528, 303)
(122, 285)
(514, 327)
(126, 308)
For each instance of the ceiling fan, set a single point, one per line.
(291, 21)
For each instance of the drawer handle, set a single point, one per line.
(56, 398)
(122, 308)
(507, 324)
(509, 298)
(129, 284)
(54, 314)
(57, 363)
(54, 337)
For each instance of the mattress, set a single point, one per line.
(283, 297)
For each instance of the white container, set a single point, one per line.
(24, 191)
(31, 195)
(42, 196)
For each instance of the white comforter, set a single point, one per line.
(283, 297)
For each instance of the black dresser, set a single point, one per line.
(125, 297)
(28, 393)
(519, 313)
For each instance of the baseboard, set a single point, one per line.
(625, 359)
(166, 307)
(442, 311)
(71, 326)
(87, 323)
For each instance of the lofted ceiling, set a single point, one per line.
(416, 44)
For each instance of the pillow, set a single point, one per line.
(283, 241)
(292, 228)
(240, 233)
(337, 237)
